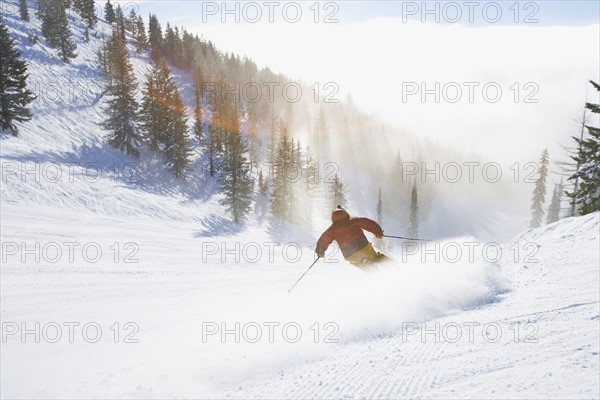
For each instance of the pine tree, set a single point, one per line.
(87, 10)
(379, 217)
(141, 40)
(321, 134)
(168, 46)
(177, 150)
(413, 225)
(539, 192)
(379, 208)
(198, 125)
(338, 192)
(120, 21)
(210, 141)
(587, 195)
(235, 180)
(311, 181)
(398, 191)
(153, 109)
(281, 204)
(272, 144)
(554, 207)
(217, 129)
(570, 168)
(55, 28)
(23, 10)
(103, 59)
(178, 57)
(14, 95)
(164, 122)
(109, 12)
(131, 22)
(262, 183)
(254, 142)
(155, 38)
(122, 106)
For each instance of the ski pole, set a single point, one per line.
(405, 238)
(312, 265)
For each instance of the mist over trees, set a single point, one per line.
(244, 132)
(539, 192)
(248, 135)
(579, 175)
(586, 194)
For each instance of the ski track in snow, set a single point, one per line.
(559, 294)
(171, 292)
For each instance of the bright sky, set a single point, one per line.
(534, 58)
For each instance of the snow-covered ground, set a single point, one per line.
(526, 328)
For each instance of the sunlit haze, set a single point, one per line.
(391, 65)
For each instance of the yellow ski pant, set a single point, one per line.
(365, 257)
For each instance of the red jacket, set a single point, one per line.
(347, 232)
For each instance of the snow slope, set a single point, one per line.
(554, 352)
(176, 293)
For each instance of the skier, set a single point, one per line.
(348, 233)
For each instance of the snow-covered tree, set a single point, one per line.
(163, 119)
(109, 12)
(587, 195)
(198, 125)
(539, 192)
(23, 10)
(554, 207)
(379, 208)
(235, 181)
(169, 43)
(120, 21)
(55, 28)
(571, 167)
(141, 40)
(379, 242)
(87, 10)
(337, 189)
(103, 59)
(413, 224)
(311, 179)
(224, 120)
(122, 107)
(262, 183)
(177, 151)
(155, 37)
(14, 95)
(281, 195)
(397, 191)
(272, 141)
(131, 22)
(321, 136)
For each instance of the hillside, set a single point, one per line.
(170, 294)
(65, 138)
